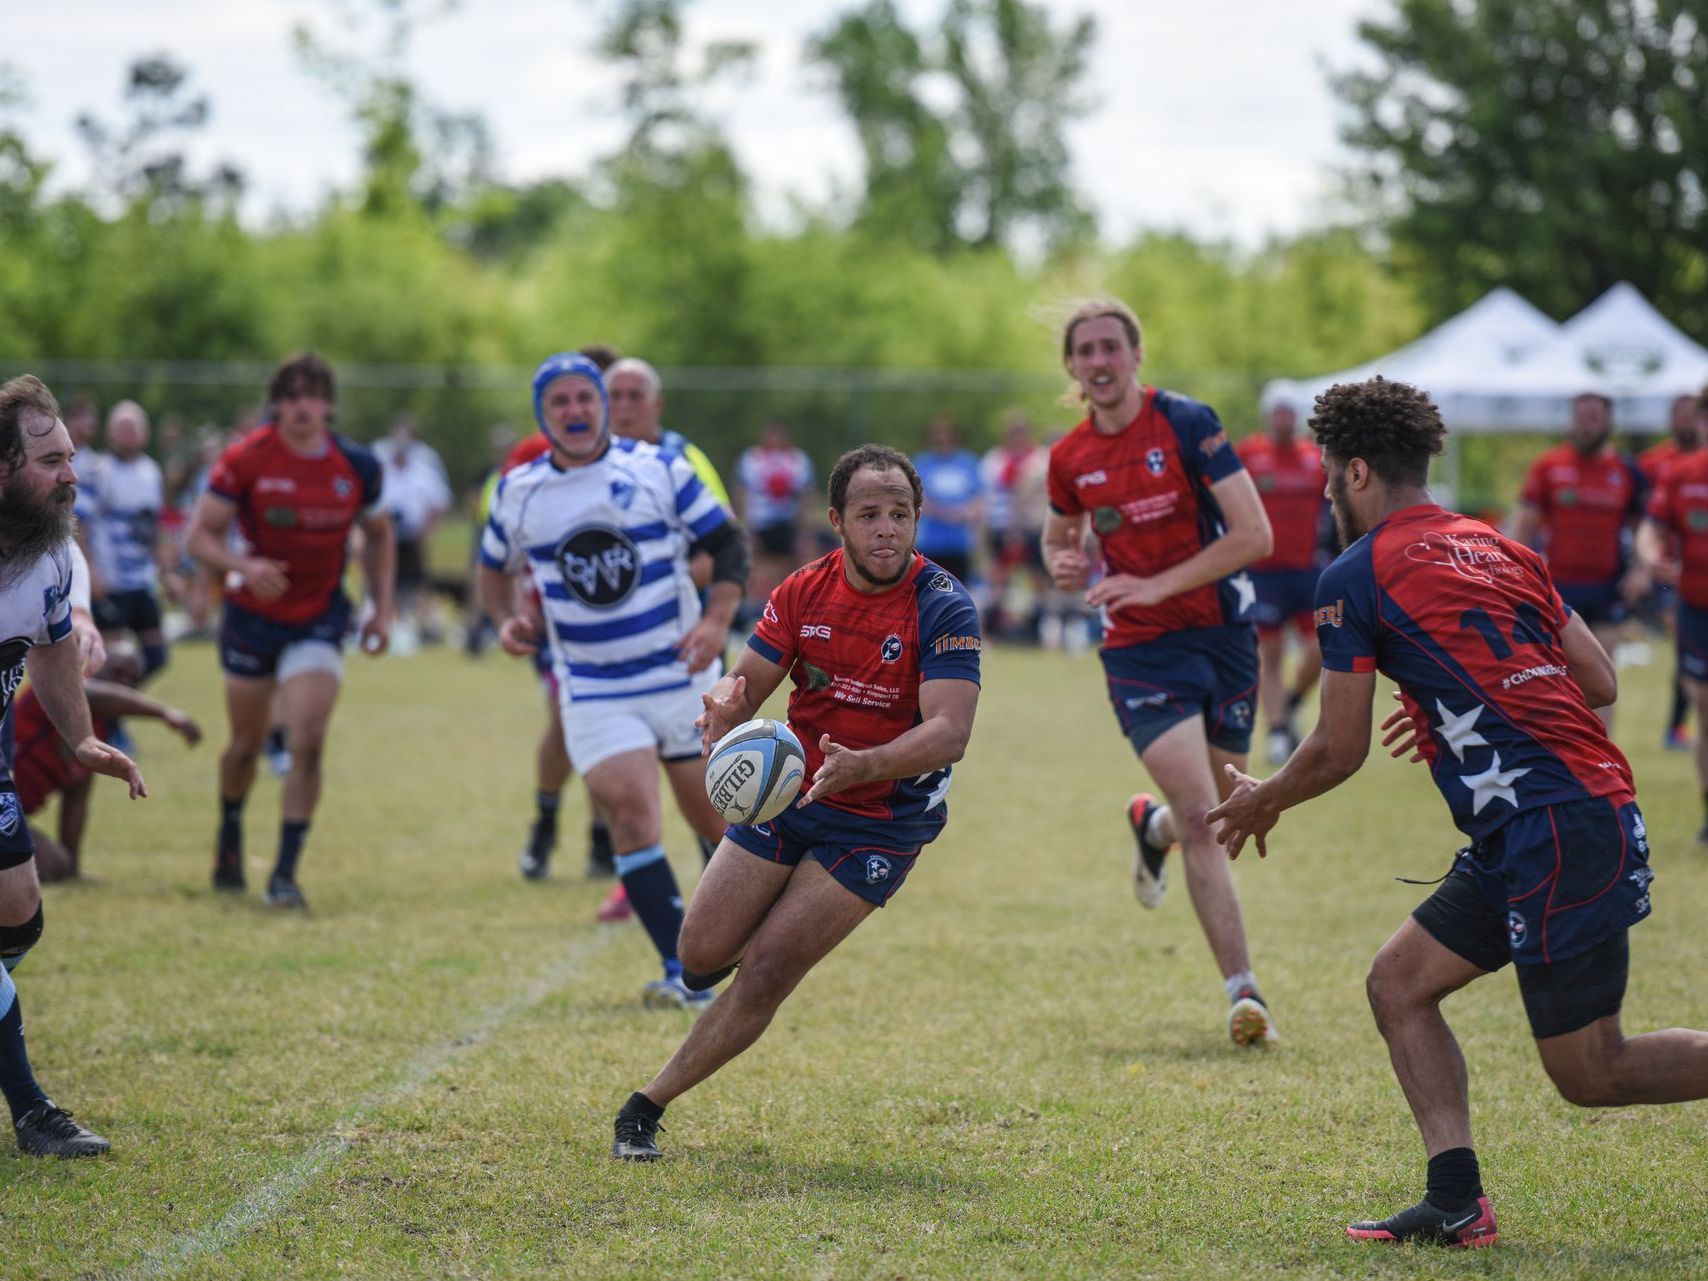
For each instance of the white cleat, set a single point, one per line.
(1250, 1022)
(1150, 872)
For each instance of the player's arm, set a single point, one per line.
(379, 569)
(726, 546)
(74, 818)
(1526, 523)
(1655, 550)
(91, 650)
(210, 526)
(946, 710)
(738, 695)
(1246, 537)
(58, 683)
(1332, 753)
(110, 701)
(1590, 666)
(1064, 550)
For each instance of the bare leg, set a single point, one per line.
(306, 702)
(1307, 667)
(1698, 691)
(1600, 1067)
(735, 892)
(53, 861)
(813, 915)
(1272, 680)
(1408, 980)
(688, 783)
(248, 706)
(1179, 761)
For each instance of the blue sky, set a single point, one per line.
(1213, 117)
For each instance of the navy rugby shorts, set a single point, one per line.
(1203, 671)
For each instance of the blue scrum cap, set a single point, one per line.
(562, 365)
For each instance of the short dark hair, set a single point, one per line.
(304, 374)
(24, 397)
(878, 458)
(602, 354)
(1392, 426)
(1702, 400)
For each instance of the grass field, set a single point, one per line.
(1010, 1071)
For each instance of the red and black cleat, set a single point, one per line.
(1467, 1228)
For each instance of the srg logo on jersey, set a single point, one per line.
(815, 631)
(599, 564)
(878, 868)
(1331, 615)
(1156, 462)
(892, 648)
(1091, 478)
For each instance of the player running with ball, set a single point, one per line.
(1499, 680)
(883, 648)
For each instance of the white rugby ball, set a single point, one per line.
(755, 772)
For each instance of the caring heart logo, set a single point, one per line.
(1477, 557)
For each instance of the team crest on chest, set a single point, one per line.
(891, 648)
(341, 486)
(623, 492)
(1156, 462)
(601, 566)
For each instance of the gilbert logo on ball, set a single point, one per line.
(755, 772)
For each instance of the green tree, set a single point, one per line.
(989, 169)
(1557, 146)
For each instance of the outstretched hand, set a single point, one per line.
(1402, 733)
(842, 768)
(1246, 814)
(725, 707)
(103, 758)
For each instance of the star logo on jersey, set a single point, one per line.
(601, 566)
(623, 492)
(891, 648)
(1245, 591)
(10, 815)
(1156, 462)
(1460, 732)
(1493, 784)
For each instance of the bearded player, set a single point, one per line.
(1500, 680)
(883, 649)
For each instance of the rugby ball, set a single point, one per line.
(755, 771)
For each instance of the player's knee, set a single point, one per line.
(1586, 1087)
(17, 940)
(765, 980)
(1385, 988)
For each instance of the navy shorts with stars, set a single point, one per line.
(1202, 671)
(868, 856)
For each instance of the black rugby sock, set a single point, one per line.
(1455, 1181)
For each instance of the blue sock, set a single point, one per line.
(651, 887)
(17, 1082)
(290, 848)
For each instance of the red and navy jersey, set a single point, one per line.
(1657, 460)
(42, 763)
(1290, 481)
(1587, 507)
(1680, 505)
(297, 509)
(1467, 623)
(857, 661)
(1147, 488)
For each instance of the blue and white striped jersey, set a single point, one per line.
(125, 522)
(606, 546)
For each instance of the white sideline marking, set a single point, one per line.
(269, 1197)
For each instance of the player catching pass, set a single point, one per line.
(1500, 681)
(295, 489)
(1177, 518)
(883, 649)
(37, 489)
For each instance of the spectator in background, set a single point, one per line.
(953, 512)
(82, 421)
(1288, 473)
(1657, 461)
(478, 631)
(772, 477)
(124, 532)
(416, 493)
(1013, 475)
(1580, 503)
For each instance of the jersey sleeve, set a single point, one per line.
(370, 476)
(1346, 611)
(1535, 491)
(230, 477)
(1204, 443)
(695, 506)
(1063, 500)
(775, 638)
(949, 640)
(501, 548)
(1660, 508)
(56, 600)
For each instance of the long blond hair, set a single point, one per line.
(1095, 308)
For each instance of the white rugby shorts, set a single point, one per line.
(598, 730)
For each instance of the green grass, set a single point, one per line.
(1011, 1071)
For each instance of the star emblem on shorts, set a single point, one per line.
(1494, 783)
(1460, 732)
(1245, 589)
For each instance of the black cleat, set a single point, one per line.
(228, 871)
(536, 858)
(283, 892)
(46, 1130)
(1150, 876)
(1423, 1222)
(635, 1140)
